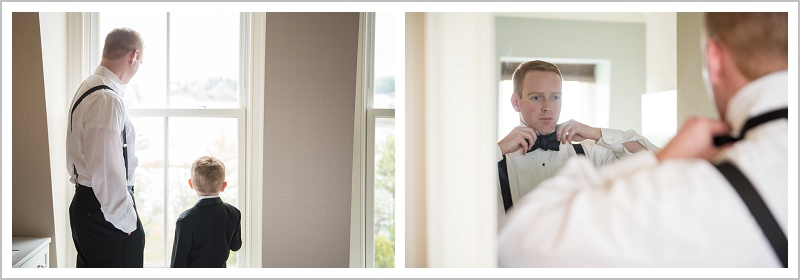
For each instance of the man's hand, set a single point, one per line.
(516, 140)
(572, 130)
(695, 140)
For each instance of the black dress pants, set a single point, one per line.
(98, 242)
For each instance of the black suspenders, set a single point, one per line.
(124, 136)
(759, 210)
(750, 197)
(505, 188)
(579, 149)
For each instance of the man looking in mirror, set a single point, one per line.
(702, 201)
(537, 148)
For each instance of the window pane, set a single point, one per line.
(578, 102)
(189, 139)
(147, 89)
(384, 66)
(383, 230)
(204, 60)
(149, 188)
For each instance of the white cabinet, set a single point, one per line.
(31, 252)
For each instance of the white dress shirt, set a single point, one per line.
(525, 172)
(199, 198)
(94, 148)
(679, 213)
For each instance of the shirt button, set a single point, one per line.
(542, 163)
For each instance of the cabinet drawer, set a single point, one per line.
(33, 252)
(39, 260)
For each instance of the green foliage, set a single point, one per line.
(385, 192)
(384, 252)
(385, 168)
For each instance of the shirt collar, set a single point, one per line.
(199, 198)
(764, 94)
(115, 83)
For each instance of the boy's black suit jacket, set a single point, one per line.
(205, 234)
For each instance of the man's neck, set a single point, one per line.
(543, 134)
(117, 67)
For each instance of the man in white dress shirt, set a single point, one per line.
(101, 159)
(676, 208)
(537, 148)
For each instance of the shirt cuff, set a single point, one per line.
(498, 153)
(611, 136)
(614, 138)
(127, 223)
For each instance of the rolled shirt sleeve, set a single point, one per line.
(614, 138)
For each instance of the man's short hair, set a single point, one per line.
(524, 68)
(208, 173)
(121, 41)
(758, 42)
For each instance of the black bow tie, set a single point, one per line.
(546, 142)
(751, 123)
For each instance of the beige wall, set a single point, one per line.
(416, 242)
(660, 52)
(32, 197)
(693, 100)
(309, 99)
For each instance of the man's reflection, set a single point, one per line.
(539, 146)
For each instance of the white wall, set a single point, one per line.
(693, 98)
(54, 62)
(458, 193)
(659, 119)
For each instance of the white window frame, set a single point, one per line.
(362, 243)
(83, 54)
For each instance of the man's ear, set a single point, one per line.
(132, 57)
(714, 57)
(190, 184)
(224, 184)
(515, 101)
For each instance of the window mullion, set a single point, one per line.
(168, 63)
(166, 191)
(166, 145)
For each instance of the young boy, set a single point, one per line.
(205, 234)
